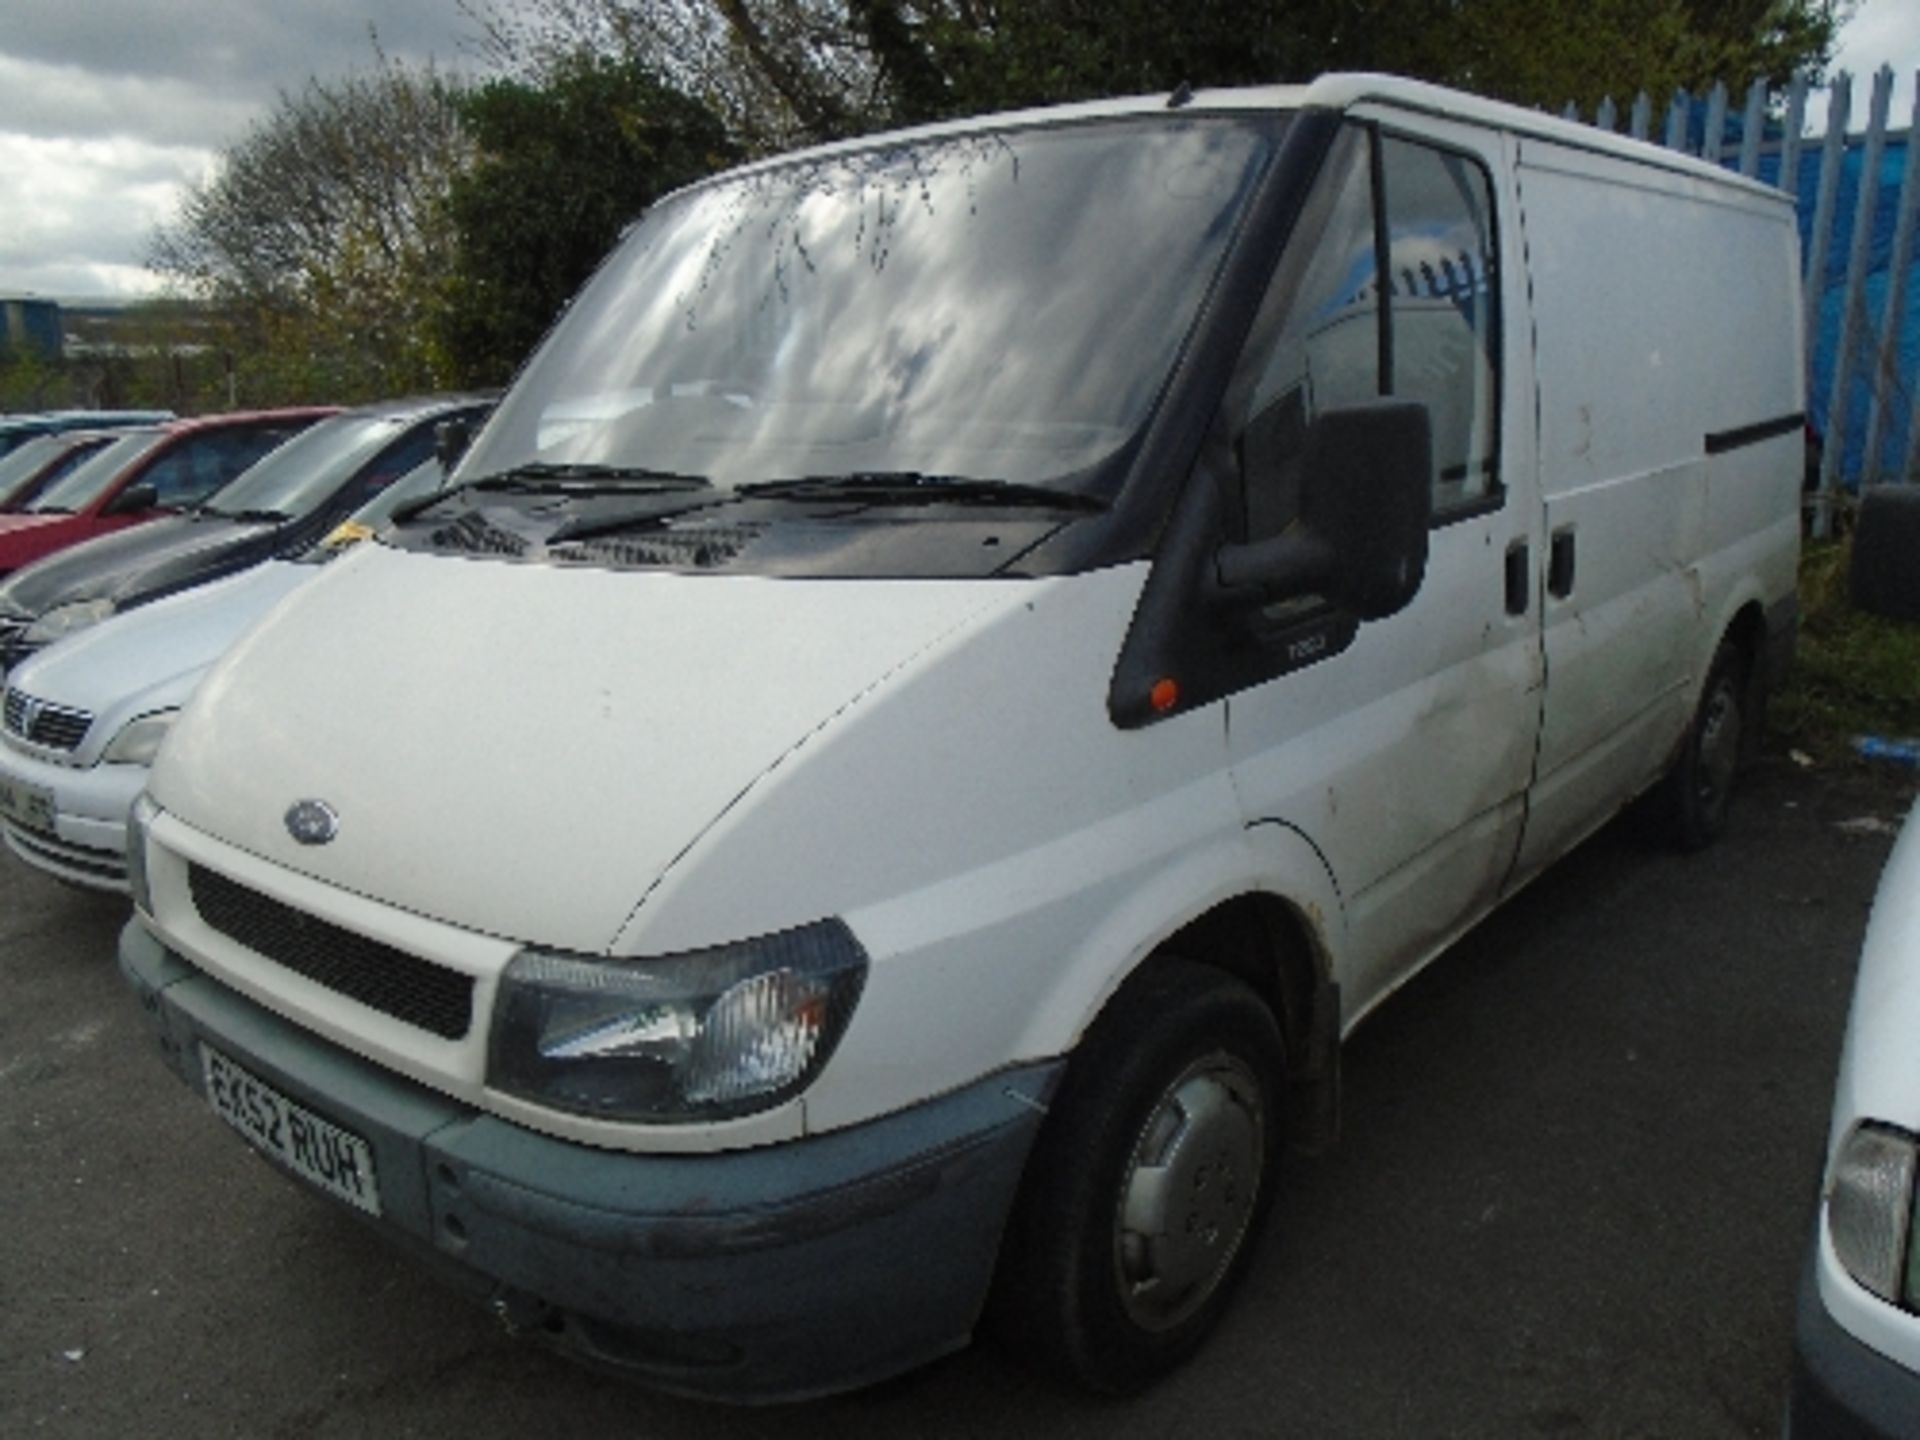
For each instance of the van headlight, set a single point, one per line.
(63, 620)
(139, 740)
(139, 826)
(706, 1035)
(1870, 1210)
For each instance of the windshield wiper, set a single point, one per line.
(918, 487)
(574, 479)
(246, 517)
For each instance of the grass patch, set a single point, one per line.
(1853, 674)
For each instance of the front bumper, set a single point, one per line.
(88, 842)
(1842, 1389)
(788, 1271)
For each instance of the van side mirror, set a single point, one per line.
(450, 441)
(134, 499)
(1365, 503)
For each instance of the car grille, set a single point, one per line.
(432, 997)
(81, 863)
(38, 723)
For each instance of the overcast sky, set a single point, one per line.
(109, 107)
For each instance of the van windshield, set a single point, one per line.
(1000, 306)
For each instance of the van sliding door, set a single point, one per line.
(1653, 332)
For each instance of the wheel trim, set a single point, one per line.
(1187, 1195)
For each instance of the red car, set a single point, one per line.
(143, 474)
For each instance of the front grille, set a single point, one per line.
(38, 723)
(80, 863)
(432, 997)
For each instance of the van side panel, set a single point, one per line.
(1664, 313)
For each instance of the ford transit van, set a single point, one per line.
(963, 667)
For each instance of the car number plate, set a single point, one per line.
(27, 805)
(317, 1150)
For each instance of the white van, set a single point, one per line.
(967, 662)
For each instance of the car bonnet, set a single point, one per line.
(523, 749)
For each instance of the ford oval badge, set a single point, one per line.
(312, 822)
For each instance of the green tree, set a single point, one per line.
(787, 70)
(322, 236)
(560, 167)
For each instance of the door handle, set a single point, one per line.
(1519, 578)
(1560, 564)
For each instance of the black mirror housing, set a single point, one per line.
(1366, 503)
(450, 441)
(133, 499)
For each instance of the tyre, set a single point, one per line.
(1883, 578)
(1693, 798)
(1149, 1182)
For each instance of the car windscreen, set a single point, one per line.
(427, 478)
(41, 462)
(1003, 305)
(296, 478)
(91, 480)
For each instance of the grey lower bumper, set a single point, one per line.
(770, 1274)
(1843, 1390)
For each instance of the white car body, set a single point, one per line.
(146, 662)
(1857, 1361)
(629, 765)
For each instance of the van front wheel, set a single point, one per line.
(1149, 1182)
(1697, 789)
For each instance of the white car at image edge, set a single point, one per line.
(1857, 1339)
(65, 792)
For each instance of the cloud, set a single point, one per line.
(50, 101)
(82, 210)
(243, 50)
(109, 108)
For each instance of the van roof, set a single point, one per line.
(1340, 91)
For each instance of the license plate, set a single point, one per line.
(317, 1150)
(26, 805)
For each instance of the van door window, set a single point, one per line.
(1330, 333)
(1444, 310)
(1324, 352)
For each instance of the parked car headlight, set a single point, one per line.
(701, 1036)
(139, 740)
(64, 620)
(1870, 1201)
(139, 825)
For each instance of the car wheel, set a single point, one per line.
(1700, 784)
(1149, 1182)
